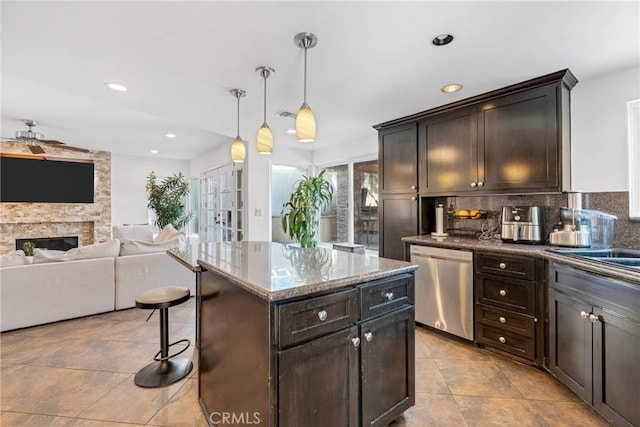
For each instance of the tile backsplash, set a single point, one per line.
(627, 232)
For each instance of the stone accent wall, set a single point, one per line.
(91, 222)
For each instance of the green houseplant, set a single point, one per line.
(301, 214)
(166, 199)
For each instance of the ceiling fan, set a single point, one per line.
(34, 140)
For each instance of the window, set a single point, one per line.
(194, 198)
(334, 221)
(633, 114)
(221, 205)
(283, 181)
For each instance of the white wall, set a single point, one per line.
(128, 179)
(599, 147)
(360, 148)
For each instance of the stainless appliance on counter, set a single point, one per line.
(523, 224)
(444, 289)
(583, 228)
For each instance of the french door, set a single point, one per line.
(222, 205)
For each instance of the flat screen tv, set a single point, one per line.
(45, 181)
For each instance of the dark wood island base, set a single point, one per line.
(320, 338)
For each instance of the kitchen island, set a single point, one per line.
(302, 337)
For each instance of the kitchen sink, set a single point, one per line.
(618, 256)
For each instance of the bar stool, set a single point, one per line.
(165, 369)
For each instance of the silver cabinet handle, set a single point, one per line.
(322, 315)
(502, 266)
(414, 187)
(480, 184)
(388, 295)
(368, 336)
(593, 318)
(503, 293)
(503, 340)
(502, 320)
(474, 185)
(414, 198)
(584, 315)
(355, 341)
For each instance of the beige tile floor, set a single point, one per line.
(80, 373)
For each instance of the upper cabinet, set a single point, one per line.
(511, 140)
(397, 153)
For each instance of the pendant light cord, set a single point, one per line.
(264, 76)
(306, 42)
(238, 95)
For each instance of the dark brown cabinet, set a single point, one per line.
(509, 304)
(511, 140)
(449, 152)
(318, 382)
(342, 358)
(398, 218)
(594, 339)
(397, 153)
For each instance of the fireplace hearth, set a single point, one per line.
(55, 243)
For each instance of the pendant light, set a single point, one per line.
(265, 136)
(237, 146)
(305, 121)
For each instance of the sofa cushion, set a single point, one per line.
(141, 233)
(168, 232)
(13, 259)
(109, 249)
(132, 247)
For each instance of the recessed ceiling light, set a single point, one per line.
(116, 86)
(291, 131)
(442, 39)
(154, 151)
(170, 135)
(451, 88)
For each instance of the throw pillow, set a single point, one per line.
(109, 249)
(141, 233)
(168, 232)
(132, 247)
(13, 259)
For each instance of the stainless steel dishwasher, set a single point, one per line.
(444, 289)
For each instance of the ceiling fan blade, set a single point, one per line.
(35, 149)
(7, 139)
(62, 145)
(51, 142)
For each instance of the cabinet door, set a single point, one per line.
(518, 142)
(570, 342)
(616, 368)
(388, 364)
(398, 159)
(318, 382)
(398, 219)
(449, 152)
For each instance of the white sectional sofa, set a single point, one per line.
(38, 293)
(42, 293)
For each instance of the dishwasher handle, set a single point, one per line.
(440, 258)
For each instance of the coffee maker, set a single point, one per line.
(523, 224)
(574, 231)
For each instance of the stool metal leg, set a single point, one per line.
(166, 371)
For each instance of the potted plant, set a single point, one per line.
(166, 199)
(301, 214)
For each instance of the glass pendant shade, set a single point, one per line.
(237, 150)
(265, 140)
(305, 124)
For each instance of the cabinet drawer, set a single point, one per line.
(505, 265)
(510, 294)
(386, 295)
(506, 341)
(303, 320)
(516, 323)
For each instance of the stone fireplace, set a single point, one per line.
(91, 222)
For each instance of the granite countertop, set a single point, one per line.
(539, 251)
(274, 271)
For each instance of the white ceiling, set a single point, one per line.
(374, 62)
